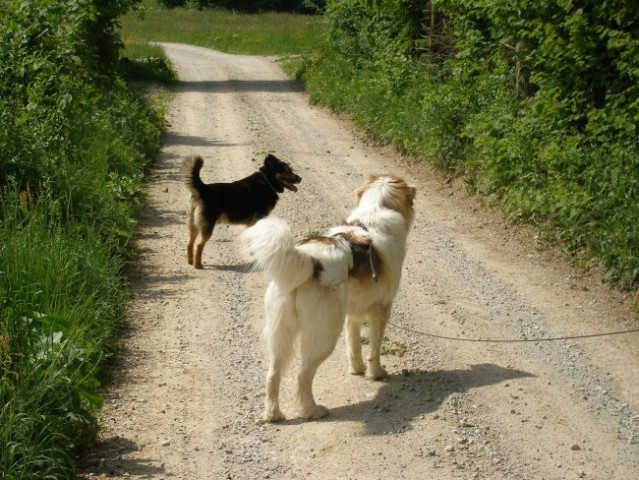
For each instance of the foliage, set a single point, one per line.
(61, 298)
(157, 69)
(535, 102)
(74, 144)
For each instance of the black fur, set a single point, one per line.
(241, 202)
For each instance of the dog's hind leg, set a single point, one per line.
(313, 355)
(279, 335)
(272, 412)
(377, 319)
(193, 231)
(189, 247)
(204, 237)
(354, 345)
(310, 363)
(321, 325)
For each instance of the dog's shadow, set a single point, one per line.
(239, 268)
(406, 397)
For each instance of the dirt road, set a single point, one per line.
(188, 388)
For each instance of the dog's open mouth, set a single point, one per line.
(289, 186)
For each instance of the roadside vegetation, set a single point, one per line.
(534, 103)
(78, 131)
(75, 141)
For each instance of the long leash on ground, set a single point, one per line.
(485, 340)
(511, 340)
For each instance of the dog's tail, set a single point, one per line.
(270, 244)
(191, 173)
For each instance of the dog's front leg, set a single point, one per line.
(378, 318)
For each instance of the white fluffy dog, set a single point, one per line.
(351, 273)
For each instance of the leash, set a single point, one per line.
(511, 340)
(370, 257)
(268, 182)
(480, 340)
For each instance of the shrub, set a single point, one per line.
(535, 102)
(74, 143)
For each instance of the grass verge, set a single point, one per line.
(238, 33)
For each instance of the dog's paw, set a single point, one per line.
(314, 412)
(376, 373)
(273, 417)
(357, 368)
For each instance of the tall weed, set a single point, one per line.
(61, 304)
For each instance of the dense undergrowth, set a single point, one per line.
(75, 141)
(536, 103)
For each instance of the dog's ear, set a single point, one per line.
(411, 192)
(367, 183)
(271, 161)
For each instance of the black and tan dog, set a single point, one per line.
(242, 202)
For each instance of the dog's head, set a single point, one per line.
(388, 191)
(280, 174)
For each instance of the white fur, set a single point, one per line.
(302, 302)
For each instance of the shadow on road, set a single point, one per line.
(109, 461)
(235, 86)
(406, 397)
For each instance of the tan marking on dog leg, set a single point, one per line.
(189, 247)
(199, 247)
(193, 231)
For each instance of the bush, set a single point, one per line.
(74, 144)
(61, 294)
(535, 102)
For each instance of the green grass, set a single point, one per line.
(61, 292)
(259, 34)
(75, 142)
(144, 62)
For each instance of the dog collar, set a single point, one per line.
(268, 182)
